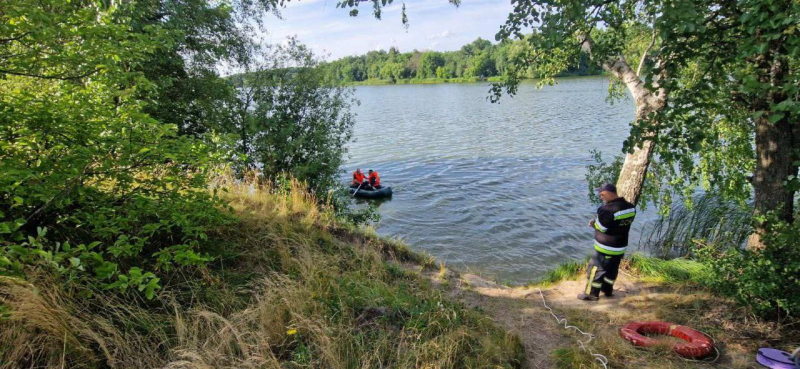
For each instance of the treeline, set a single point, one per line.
(479, 59)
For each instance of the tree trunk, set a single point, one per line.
(774, 165)
(634, 168)
(775, 147)
(633, 173)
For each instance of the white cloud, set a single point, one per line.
(328, 30)
(445, 34)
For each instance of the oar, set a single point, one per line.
(359, 187)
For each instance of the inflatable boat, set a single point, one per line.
(380, 193)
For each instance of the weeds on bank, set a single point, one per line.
(289, 287)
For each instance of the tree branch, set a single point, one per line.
(646, 51)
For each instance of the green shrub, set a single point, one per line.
(765, 279)
(91, 186)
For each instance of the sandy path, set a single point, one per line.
(520, 310)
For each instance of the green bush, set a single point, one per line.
(765, 279)
(91, 186)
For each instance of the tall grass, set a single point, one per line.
(647, 268)
(677, 270)
(710, 220)
(290, 287)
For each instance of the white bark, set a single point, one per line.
(634, 169)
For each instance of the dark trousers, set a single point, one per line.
(602, 273)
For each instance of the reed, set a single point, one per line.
(708, 219)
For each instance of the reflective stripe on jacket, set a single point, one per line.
(612, 225)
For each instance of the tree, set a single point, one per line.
(428, 62)
(293, 119)
(92, 187)
(482, 65)
(608, 32)
(741, 94)
(197, 35)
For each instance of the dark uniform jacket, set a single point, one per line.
(612, 225)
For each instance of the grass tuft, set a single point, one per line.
(653, 269)
(563, 272)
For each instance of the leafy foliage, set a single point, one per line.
(377, 8)
(765, 279)
(91, 185)
(289, 119)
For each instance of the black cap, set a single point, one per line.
(607, 187)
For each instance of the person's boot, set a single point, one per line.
(585, 297)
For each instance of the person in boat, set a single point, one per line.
(358, 178)
(374, 179)
(611, 227)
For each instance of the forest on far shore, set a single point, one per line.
(479, 59)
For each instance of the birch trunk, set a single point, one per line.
(634, 169)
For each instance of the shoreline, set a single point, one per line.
(436, 81)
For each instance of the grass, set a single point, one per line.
(290, 287)
(645, 268)
(708, 220)
(563, 272)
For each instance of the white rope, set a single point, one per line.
(563, 321)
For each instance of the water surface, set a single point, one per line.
(498, 189)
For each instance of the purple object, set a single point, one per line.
(775, 359)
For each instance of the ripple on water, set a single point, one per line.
(498, 189)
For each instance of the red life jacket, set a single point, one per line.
(358, 177)
(374, 180)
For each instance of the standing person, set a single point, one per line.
(374, 179)
(611, 227)
(358, 178)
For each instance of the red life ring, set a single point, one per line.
(697, 345)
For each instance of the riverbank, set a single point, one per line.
(431, 81)
(290, 286)
(647, 289)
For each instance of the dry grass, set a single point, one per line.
(290, 287)
(737, 333)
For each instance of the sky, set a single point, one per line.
(433, 25)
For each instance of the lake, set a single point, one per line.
(495, 189)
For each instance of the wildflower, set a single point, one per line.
(291, 332)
